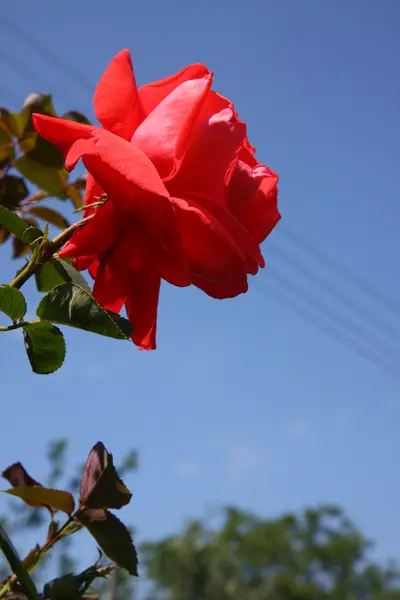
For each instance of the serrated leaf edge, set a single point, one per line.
(90, 296)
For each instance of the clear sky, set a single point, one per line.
(253, 401)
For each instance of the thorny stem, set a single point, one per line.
(5, 588)
(12, 327)
(92, 205)
(35, 198)
(49, 249)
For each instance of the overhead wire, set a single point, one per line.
(333, 263)
(339, 319)
(57, 61)
(371, 316)
(308, 314)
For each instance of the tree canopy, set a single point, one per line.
(315, 554)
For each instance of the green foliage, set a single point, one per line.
(318, 554)
(12, 302)
(49, 180)
(27, 159)
(45, 347)
(57, 271)
(16, 565)
(49, 215)
(69, 304)
(72, 587)
(21, 228)
(12, 191)
(7, 151)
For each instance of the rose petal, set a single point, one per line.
(165, 134)
(229, 288)
(116, 101)
(78, 149)
(91, 263)
(171, 260)
(127, 176)
(82, 263)
(61, 132)
(92, 194)
(141, 307)
(213, 147)
(153, 93)
(210, 250)
(252, 198)
(243, 240)
(110, 287)
(95, 237)
(133, 259)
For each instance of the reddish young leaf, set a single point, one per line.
(100, 485)
(112, 536)
(18, 477)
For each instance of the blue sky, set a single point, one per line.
(245, 401)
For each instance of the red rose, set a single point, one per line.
(186, 199)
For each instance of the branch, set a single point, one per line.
(49, 249)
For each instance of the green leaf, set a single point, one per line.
(57, 499)
(45, 153)
(45, 347)
(69, 273)
(100, 485)
(7, 151)
(50, 216)
(72, 587)
(22, 246)
(19, 249)
(58, 271)
(74, 193)
(19, 227)
(47, 277)
(12, 302)
(12, 191)
(48, 179)
(4, 234)
(69, 304)
(112, 536)
(40, 103)
(6, 546)
(14, 123)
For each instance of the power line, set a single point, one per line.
(54, 59)
(372, 317)
(324, 257)
(18, 65)
(336, 317)
(316, 321)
